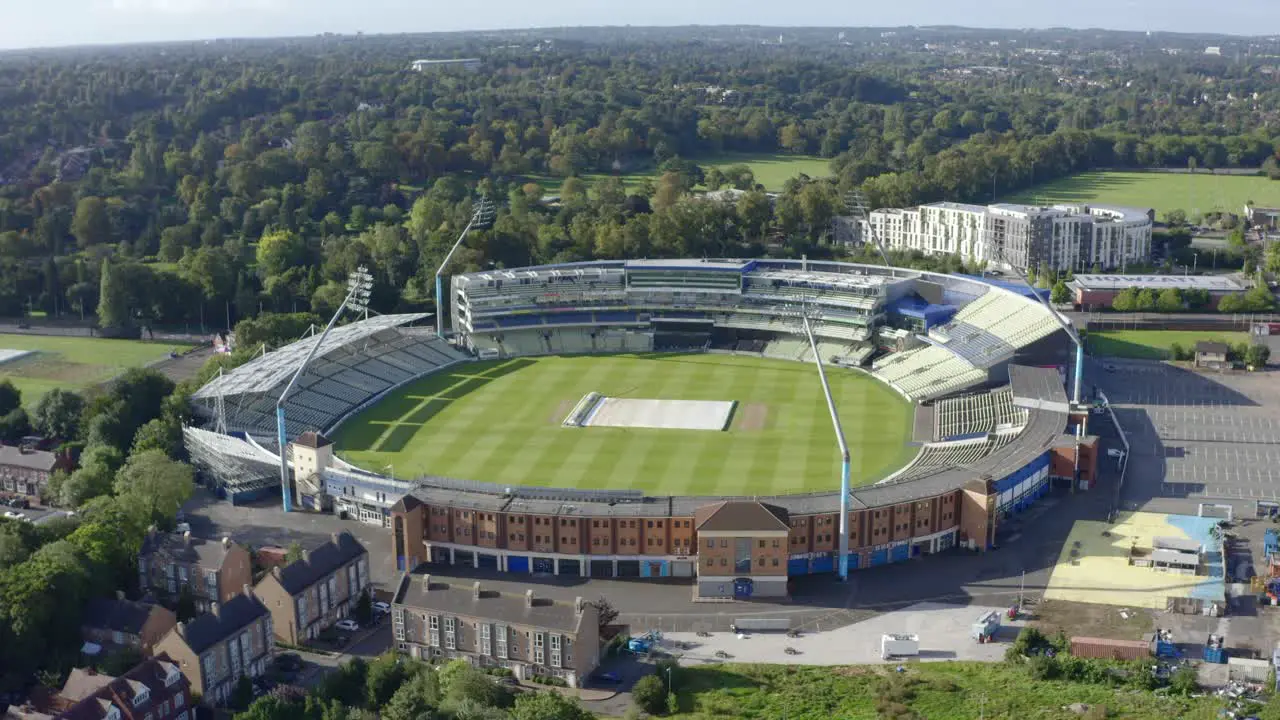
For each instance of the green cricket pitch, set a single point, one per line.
(501, 422)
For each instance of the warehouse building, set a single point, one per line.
(1098, 291)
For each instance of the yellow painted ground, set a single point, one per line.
(1102, 574)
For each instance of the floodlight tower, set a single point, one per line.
(359, 284)
(842, 568)
(480, 219)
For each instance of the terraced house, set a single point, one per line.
(233, 640)
(309, 595)
(211, 571)
(436, 616)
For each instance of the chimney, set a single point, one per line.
(334, 537)
(275, 572)
(578, 606)
(226, 543)
(181, 627)
(119, 595)
(186, 538)
(215, 609)
(426, 583)
(475, 590)
(306, 556)
(247, 590)
(528, 598)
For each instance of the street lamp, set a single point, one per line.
(482, 218)
(359, 286)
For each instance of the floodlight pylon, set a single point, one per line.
(482, 218)
(359, 285)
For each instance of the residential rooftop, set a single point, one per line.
(456, 595)
(318, 563)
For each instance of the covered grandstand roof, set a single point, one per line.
(274, 368)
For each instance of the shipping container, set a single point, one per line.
(1090, 647)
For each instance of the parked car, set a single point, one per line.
(13, 515)
(348, 625)
(381, 606)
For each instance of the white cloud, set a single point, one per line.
(195, 7)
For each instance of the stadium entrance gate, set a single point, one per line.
(570, 567)
(486, 562)
(628, 568)
(601, 568)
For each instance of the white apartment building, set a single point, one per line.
(1061, 237)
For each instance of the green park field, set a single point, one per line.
(1153, 344)
(74, 363)
(1192, 193)
(501, 422)
(772, 170)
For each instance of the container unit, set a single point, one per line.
(898, 645)
(1108, 649)
(985, 627)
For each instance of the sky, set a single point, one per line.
(45, 23)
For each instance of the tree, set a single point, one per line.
(649, 694)
(461, 683)
(1145, 300)
(158, 434)
(98, 464)
(113, 299)
(1125, 301)
(10, 397)
(606, 612)
(91, 224)
(364, 612)
(14, 426)
(416, 699)
(241, 693)
(1257, 356)
(154, 484)
(548, 706)
(57, 413)
(280, 251)
(1169, 300)
(294, 553)
(714, 179)
(386, 674)
(1184, 681)
(1061, 294)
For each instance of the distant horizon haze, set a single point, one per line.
(55, 23)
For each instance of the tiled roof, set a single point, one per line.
(735, 516)
(211, 628)
(31, 459)
(299, 575)
(459, 596)
(126, 616)
(187, 549)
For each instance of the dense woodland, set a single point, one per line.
(219, 180)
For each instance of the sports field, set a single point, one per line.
(502, 421)
(772, 170)
(1192, 193)
(1153, 344)
(74, 363)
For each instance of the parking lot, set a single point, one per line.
(1195, 436)
(943, 629)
